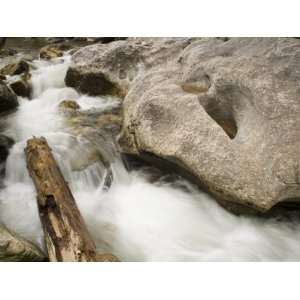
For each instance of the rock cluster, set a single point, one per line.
(17, 77)
(15, 69)
(53, 51)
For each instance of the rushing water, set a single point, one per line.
(133, 219)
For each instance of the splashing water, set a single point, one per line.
(133, 219)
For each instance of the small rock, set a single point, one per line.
(69, 105)
(14, 248)
(109, 123)
(5, 144)
(53, 51)
(7, 52)
(8, 99)
(50, 53)
(21, 87)
(15, 69)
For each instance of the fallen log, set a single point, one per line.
(66, 235)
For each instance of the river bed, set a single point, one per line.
(135, 219)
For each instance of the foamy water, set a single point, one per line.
(133, 219)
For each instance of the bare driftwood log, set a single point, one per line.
(67, 238)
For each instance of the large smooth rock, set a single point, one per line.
(8, 99)
(224, 111)
(14, 248)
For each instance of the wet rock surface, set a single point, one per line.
(53, 51)
(7, 52)
(5, 144)
(225, 111)
(17, 77)
(21, 86)
(66, 105)
(16, 249)
(15, 69)
(8, 99)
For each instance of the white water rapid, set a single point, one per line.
(134, 219)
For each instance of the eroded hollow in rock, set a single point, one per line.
(220, 111)
(224, 119)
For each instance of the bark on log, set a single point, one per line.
(67, 238)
